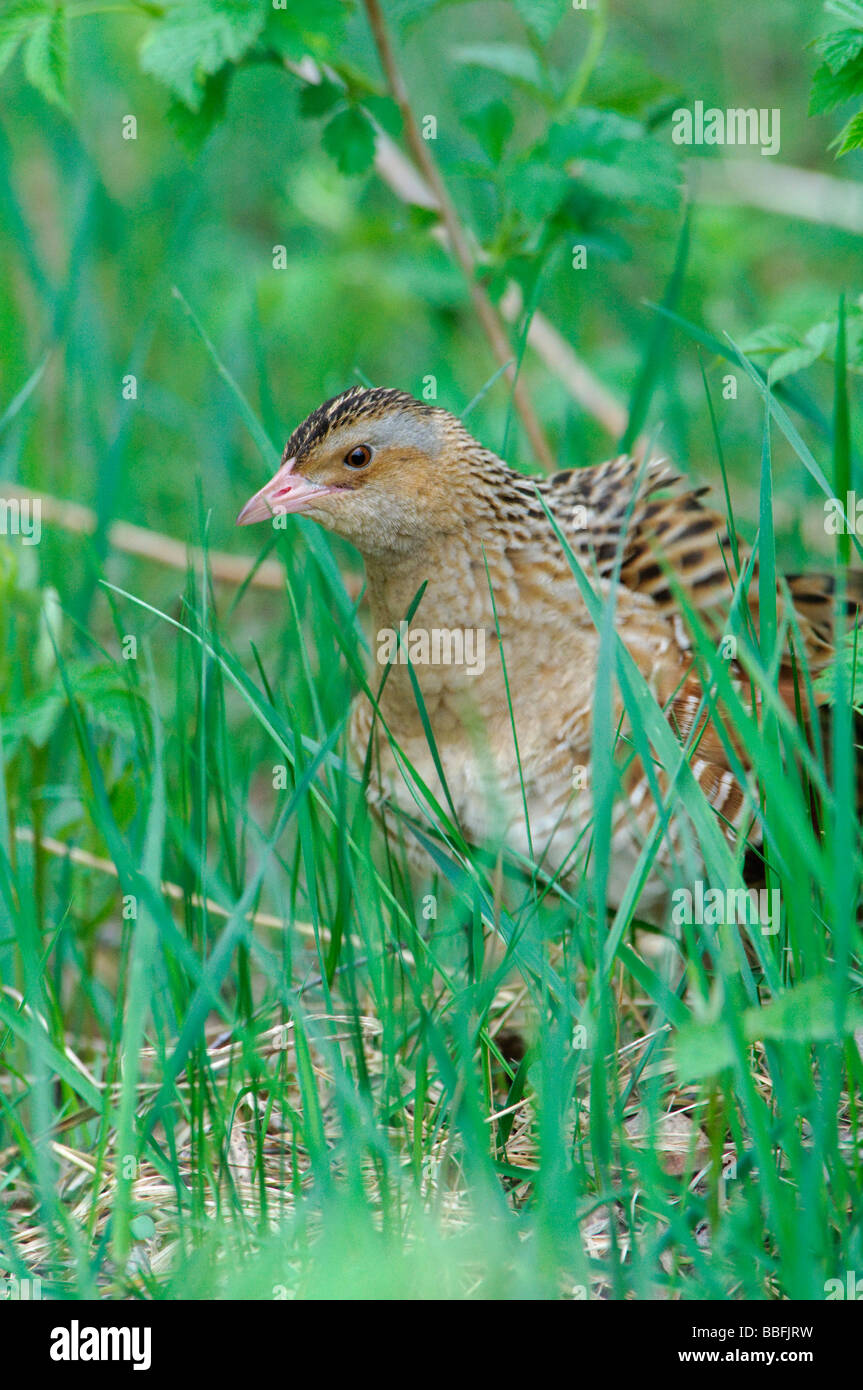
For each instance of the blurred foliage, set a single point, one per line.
(144, 145)
(788, 351)
(190, 144)
(840, 76)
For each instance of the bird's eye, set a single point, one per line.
(358, 457)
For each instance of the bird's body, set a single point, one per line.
(539, 694)
(431, 509)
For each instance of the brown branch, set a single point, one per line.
(489, 319)
(582, 384)
(172, 891)
(547, 342)
(163, 550)
(404, 180)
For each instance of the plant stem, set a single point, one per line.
(489, 319)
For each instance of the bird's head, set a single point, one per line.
(375, 466)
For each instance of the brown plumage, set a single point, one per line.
(425, 503)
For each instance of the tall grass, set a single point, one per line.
(295, 1075)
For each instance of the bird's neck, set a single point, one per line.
(448, 574)
(491, 533)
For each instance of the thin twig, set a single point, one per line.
(408, 185)
(488, 316)
(85, 860)
(153, 545)
(580, 381)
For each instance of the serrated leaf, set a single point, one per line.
(590, 132)
(773, 337)
(107, 699)
(386, 113)
(350, 139)
(789, 362)
(537, 189)
(792, 353)
(304, 27)
(806, 1013)
(542, 17)
(318, 98)
(16, 24)
(851, 138)
(194, 39)
(100, 690)
(642, 173)
(614, 157)
(46, 57)
(849, 10)
(852, 666)
(840, 47)
(831, 89)
(629, 87)
(510, 60)
(193, 128)
(34, 720)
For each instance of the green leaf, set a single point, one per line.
(319, 98)
(789, 353)
(46, 57)
(142, 1227)
(492, 125)
(615, 157)
(519, 64)
(537, 189)
(806, 1013)
(194, 39)
(655, 347)
(542, 17)
(107, 699)
(792, 353)
(34, 720)
(192, 128)
(849, 10)
(852, 669)
(385, 112)
(851, 138)
(831, 89)
(840, 47)
(643, 173)
(350, 139)
(773, 337)
(32, 1031)
(100, 690)
(797, 360)
(19, 21)
(302, 27)
(626, 85)
(590, 132)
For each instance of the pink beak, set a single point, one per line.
(286, 491)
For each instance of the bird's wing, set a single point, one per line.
(647, 514)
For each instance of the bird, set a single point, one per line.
(493, 717)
